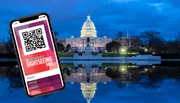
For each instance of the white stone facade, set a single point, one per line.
(88, 31)
(96, 43)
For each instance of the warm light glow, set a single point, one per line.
(145, 69)
(146, 50)
(122, 69)
(122, 50)
(80, 74)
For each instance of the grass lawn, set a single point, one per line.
(67, 65)
(94, 53)
(110, 65)
(109, 54)
(64, 54)
(94, 66)
(115, 65)
(113, 54)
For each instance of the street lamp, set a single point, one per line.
(146, 50)
(123, 50)
(122, 69)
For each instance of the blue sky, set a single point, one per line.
(109, 16)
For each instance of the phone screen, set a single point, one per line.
(37, 56)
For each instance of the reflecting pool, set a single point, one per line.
(93, 82)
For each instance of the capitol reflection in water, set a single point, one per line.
(148, 77)
(89, 76)
(88, 81)
(97, 83)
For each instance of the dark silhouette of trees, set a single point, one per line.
(113, 46)
(150, 78)
(9, 43)
(113, 73)
(171, 47)
(133, 43)
(149, 37)
(60, 47)
(68, 47)
(158, 45)
(178, 42)
(152, 40)
(67, 71)
(14, 77)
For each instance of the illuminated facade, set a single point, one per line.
(88, 31)
(88, 86)
(88, 28)
(88, 90)
(95, 76)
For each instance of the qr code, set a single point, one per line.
(33, 40)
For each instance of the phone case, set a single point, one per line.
(17, 54)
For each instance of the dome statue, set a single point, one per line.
(88, 28)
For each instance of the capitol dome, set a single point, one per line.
(88, 90)
(88, 28)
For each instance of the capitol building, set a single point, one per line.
(88, 32)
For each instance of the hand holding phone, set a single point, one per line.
(37, 54)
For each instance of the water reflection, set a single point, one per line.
(124, 75)
(88, 79)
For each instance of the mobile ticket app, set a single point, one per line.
(37, 56)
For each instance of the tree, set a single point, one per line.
(56, 34)
(113, 73)
(178, 42)
(133, 43)
(113, 46)
(60, 47)
(14, 77)
(67, 71)
(148, 37)
(9, 43)
(68, 47)
(158, 45)
(171, 47)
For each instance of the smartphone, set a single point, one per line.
(37, 54)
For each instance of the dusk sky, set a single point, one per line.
(109, 16)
